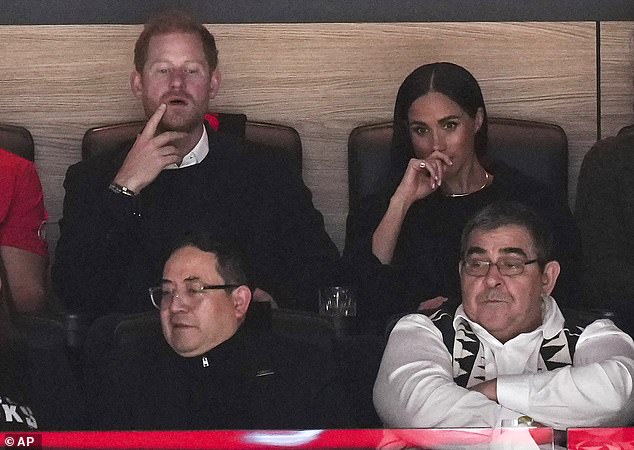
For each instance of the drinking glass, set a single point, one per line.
(337, 301)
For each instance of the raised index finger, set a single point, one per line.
(152, 124)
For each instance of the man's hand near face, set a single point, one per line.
(149, 155)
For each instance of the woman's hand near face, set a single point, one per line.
(421, 178)
(419, 181)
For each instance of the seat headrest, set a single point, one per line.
(17, 140)
(109, 138)
(284, 140)
(537, 149)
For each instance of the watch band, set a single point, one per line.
(118, 189)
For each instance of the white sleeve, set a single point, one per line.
(595, 391)
(415, 387)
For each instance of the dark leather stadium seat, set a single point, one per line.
(108, 138)
(537, 149)
(52, 372)
(17, 140)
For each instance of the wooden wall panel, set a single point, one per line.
(323, 79)
(617, 76)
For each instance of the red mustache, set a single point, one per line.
(176, 96)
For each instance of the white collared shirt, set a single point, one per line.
(415, 385)
(196, 155)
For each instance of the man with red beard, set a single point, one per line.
(506, 353)
(181, 175)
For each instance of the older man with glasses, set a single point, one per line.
(506, 354)
(211, 371)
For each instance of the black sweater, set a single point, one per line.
(111, 246)
(254, 380)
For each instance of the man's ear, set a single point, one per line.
(136, 83)
(214, 83)
(241, 297)
(549, 277)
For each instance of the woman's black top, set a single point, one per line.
(425, 261)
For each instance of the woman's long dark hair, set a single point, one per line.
(448, 79)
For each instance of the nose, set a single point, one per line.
(178, 303)
(177, 78)
(493, 277)
(439, 140)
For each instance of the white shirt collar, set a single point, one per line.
(196, 155)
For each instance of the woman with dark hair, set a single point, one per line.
(404, 245)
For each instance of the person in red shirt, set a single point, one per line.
(23, 250)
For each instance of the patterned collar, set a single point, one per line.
(552, 321)
(557, 344)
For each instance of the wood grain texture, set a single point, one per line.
(322, 79)
(617, 76)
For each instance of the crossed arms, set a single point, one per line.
(415, 386)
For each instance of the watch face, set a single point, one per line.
(118, 189)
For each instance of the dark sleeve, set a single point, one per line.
(320, 396)
(566, 241)
(55, 392)
(605, 214)
(566, 250)
(300, 256)
(111, 392)
(566, 245)
(357, 359)
(95, 241)
(331, 403)
(382, 288)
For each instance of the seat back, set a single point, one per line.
(300, 325)
(17, 140)
(304, 326)
(53, 372)
(539, 150)
(137, 328)
(41, 332)
(279, 138)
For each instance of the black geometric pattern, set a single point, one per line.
(465, 352)
(558, 351)
(466, 348)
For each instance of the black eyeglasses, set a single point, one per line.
(509, 267)
(162, 296)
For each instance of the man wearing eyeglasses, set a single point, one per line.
(211, 371)
(506, 354)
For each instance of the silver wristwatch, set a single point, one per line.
(118, 189)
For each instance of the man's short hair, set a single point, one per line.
(174, 21)
(230, 263)
(499, 214)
